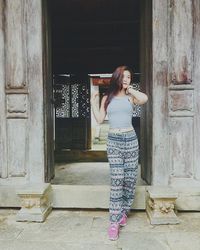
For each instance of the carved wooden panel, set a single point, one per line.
(17, 105)
(181, 40)
(62, 100)
(137, 108)
(84, 101)
(181, 147)
(181, 102)
(75, 100)
(15, 41)
(72, 98)
(17, 147)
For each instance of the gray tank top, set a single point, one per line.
(120, 112)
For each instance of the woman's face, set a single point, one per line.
(126, 79)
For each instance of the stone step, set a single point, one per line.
(97, 196)
(90, 196)
(73, 196)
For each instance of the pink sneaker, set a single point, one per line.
(113, 231)
(123, 220)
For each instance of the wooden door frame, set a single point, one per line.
(154, 69)
(49, 168)
(147, 71)
(146, 87)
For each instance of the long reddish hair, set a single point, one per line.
(116, 84)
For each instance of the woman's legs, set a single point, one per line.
(130, 170)
(122, 151)
(115, 157)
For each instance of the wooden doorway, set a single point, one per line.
(90, 37)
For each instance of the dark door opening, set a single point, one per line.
(89, 37)
(95, 36)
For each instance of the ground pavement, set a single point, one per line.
(75, 230)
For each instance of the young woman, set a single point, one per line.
(122, 144)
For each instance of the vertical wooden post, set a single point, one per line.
(3, 132)
(146, 86)
(160, 151)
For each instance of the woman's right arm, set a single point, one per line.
(99, 114)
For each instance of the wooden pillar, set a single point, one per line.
(196, 82)
(160, 133)
(36, 90)
(3, 133)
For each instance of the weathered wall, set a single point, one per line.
(174, 89)
(21, 95)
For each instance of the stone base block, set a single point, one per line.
(160, 205)
(36, 202)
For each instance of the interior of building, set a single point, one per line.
(89, 40)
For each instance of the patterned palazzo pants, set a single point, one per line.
(122, 152)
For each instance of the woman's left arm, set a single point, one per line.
(137, 96)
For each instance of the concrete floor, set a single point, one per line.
(99, 147)
(87, 230)
(85, 173)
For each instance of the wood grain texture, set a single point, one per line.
(35, 153)
(184, 53)
(181, 100)
(17, 147)
(3, 133)
(181, 40)
(181, 147)
(196, 80)
(160, 138)
(17, 106)
(146, 119)
(15, 46)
